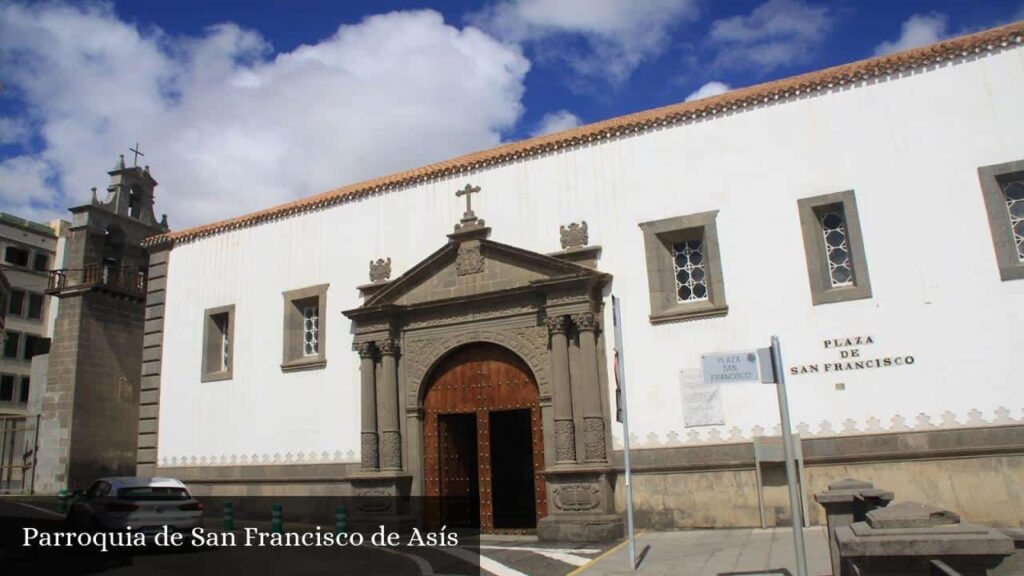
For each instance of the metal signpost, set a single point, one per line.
(764, 365)
(622, 415)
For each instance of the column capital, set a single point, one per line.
(585, 322)
(365, 349)
(557, 324)
(387, 347)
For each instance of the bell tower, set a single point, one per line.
(89, 423)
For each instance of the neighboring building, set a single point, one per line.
(90, 408)
(869, 214)
(28, 251)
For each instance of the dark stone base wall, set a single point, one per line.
(975, 471)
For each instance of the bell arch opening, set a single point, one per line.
(483, 439)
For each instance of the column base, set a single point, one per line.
(382, 499)
(581, 528)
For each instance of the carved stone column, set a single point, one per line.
(387, 399)
(593, 418)
(565, 436)
(368, 401)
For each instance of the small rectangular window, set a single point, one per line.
(16, 256)
(1002, 188)
(836, 262)
(41, 262)
(35, 306)
(218, 343)
(24, 390)
(684, 268)
(304, 329)
(34, 345)
(6, 388)
(16, 305)
(11, 345)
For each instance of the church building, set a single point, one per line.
(447, 331)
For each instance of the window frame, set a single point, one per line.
(27, 251)
(28, 305)
(20, 312)
(816, 256)
(659, 237)
(12, 336)
(292, 333)
(211, 348)
(46, 262)
(24, 389)
(1011, 267)
(14, 388)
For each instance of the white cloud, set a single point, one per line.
(230, 126)
(709, 89)
(556, 122)
(918, 30)
(775, 34)
(619, 35)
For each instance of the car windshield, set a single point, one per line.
(153, 493)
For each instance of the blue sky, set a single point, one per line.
(242, 105)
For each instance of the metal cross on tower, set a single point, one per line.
(137, 154)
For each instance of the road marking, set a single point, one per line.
(425, 568)
(607, 552)
(485, 563)
(560, 554)
(37, 508)
(539, 549)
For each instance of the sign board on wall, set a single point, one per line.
(702, 403)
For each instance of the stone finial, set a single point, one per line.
(574, 235)
(380, 271)
(95, 200)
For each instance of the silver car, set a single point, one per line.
(145, 504)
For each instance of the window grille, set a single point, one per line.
(688, 264)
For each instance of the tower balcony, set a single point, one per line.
(127, 281)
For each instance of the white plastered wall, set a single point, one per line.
(909, 147)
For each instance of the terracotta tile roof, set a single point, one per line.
(735, 100)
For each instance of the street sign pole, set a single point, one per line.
(789, 452)
(623, 413)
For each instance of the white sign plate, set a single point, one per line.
(730, 368)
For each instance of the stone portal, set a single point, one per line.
(484, 348)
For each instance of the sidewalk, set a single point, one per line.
(716, 553)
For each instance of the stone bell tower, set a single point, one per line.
(89, 421)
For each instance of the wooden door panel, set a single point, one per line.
(479, 379)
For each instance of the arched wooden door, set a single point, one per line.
(483, 440)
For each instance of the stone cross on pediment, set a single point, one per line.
(469, 220)
(467, 192)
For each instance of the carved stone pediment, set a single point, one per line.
(477, 267)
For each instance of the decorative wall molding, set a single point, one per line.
(311, 457)
(973, 418)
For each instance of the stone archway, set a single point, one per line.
(482, 401)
